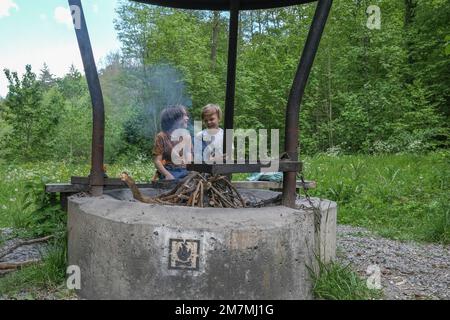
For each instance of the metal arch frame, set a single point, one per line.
(296, 94)
(223, 5)
(96, 179)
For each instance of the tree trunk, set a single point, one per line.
(410, 12)
(215, 36)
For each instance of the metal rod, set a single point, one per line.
(296, 95)
(231, 71)
(98, 113)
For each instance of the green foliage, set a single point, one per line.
(371, 91)
(334, 281)
(46, 78)
(72, 86)
(23, 202)
(399, 196)
(73, 141)
(45, 217)
(48, 275)
(32, 215)
(365, 92)
(30, 116)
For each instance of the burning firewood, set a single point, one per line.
(195, 190)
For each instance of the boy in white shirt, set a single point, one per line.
(211, 138)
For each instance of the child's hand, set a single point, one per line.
(169, 176)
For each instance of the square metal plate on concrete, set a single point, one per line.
(184, 254)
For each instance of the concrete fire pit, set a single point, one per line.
(131, 250)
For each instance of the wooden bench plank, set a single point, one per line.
(65, 187)
(74, 188)
(113, 183)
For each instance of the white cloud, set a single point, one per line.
(95, 8)
(6, 6)
(63, 15)
(58, 57)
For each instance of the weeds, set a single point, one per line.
(49, 274)
(334, 281)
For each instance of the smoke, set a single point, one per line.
(135, 95)
(162, 86)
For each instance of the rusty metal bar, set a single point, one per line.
(231, 71)
(98, 124)
(223, 4)
(296, 95)
(229, 168)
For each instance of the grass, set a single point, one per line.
(404, 197)
(47, 276)
(337, 282)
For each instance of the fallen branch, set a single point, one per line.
(3, 272)
(16, 265)
(24, 243)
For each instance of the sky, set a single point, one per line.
(38, 31)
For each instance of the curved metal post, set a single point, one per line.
(296, 95)
(96, 180)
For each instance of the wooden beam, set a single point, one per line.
(65, 187)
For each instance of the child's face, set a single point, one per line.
(211, 121)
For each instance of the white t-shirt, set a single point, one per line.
(210, 143)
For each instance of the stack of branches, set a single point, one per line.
(195, 190)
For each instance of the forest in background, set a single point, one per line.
(370, 91)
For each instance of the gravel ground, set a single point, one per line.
(409, 270)
(22, 253)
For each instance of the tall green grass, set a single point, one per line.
(15, 208)
(404, 197)
(47, 275)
